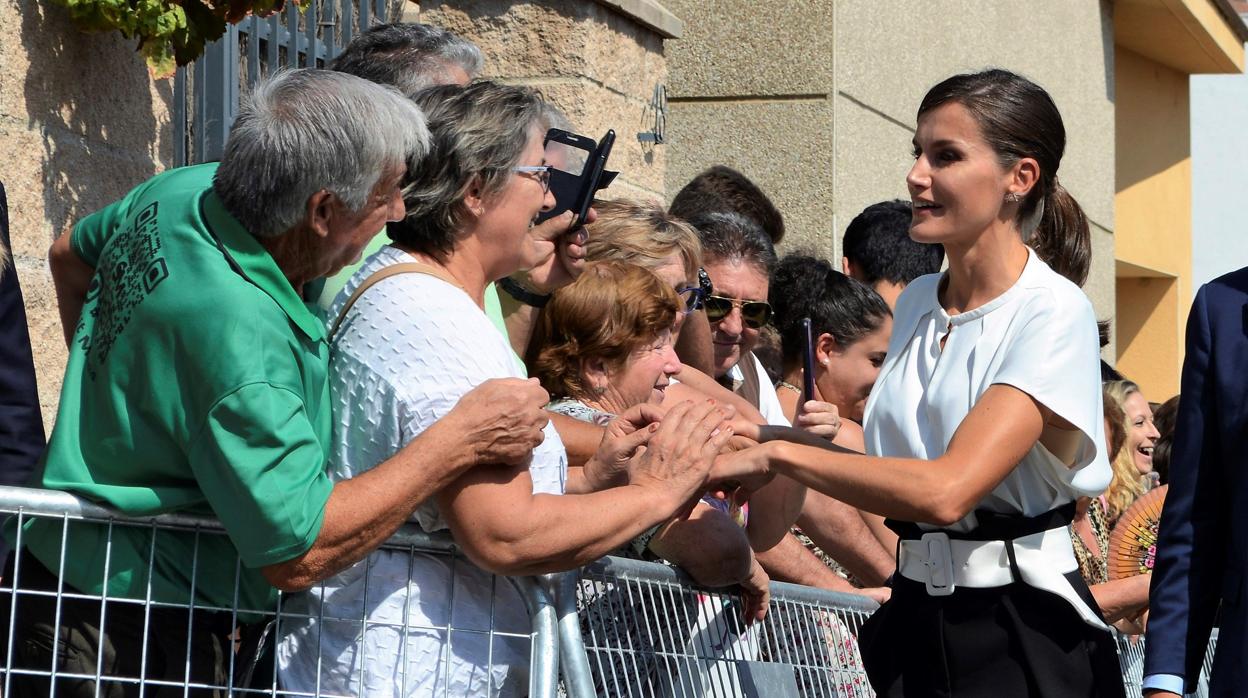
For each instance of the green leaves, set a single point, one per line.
(170, 32)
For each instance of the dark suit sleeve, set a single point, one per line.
(21, 426)
(1191, 547)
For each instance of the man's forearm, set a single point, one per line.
(364, 511)
(71, 278)
(790, 561)
(840, 531)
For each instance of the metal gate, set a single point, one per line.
(206, 93)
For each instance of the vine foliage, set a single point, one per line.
(170, 32)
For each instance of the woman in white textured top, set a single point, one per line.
(985, 423)
(405, 348)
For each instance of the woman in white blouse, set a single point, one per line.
(985, 423)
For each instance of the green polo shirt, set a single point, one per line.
(197, 382)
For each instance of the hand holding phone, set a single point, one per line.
(578, 171)
(808, 362)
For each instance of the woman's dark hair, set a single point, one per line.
(731, 237)
(1165, 416)
(478, 133)
(1162, 450)
(1019, 120)
(721, 188)
(803, 286)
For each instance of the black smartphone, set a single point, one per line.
(808, 362)
(578, 170)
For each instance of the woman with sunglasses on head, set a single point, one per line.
(985, 424)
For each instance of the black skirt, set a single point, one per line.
(1003, 642)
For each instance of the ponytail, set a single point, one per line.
(1062, 238)
(1019, 119)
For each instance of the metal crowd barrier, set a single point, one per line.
(648, 631)
(616, 627)
(243, 674)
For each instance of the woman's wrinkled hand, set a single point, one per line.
(676, 462)
(567, 258)
(623, 440)
(819, 418)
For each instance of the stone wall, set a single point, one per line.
(595, 62)
(81, 122)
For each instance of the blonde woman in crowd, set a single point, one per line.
(1134, 463)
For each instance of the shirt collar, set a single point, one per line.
(1024, 281)
(254, 263)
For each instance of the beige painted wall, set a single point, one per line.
(1153, 208)
(816, 100)
(80, 124)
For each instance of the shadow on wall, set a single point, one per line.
(103, 126)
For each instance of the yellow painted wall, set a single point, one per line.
(1152, 220)
(1148, 321)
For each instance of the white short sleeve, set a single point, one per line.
(1052, 359)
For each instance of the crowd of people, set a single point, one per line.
(658, 383)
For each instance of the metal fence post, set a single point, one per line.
(544, 660)
(573, 660)
(219, 94)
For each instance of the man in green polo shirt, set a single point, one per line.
(198, 382)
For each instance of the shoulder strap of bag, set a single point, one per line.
(385, 273)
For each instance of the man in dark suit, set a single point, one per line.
(1202, 551)
(21, 425)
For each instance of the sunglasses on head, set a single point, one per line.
(754, 314)
(690, 298)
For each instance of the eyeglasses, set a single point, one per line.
(692, 297)
(754, 314)
(540, 172)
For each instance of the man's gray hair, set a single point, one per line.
(301, 131)
(409, 56)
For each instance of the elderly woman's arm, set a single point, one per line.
(505, 528)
